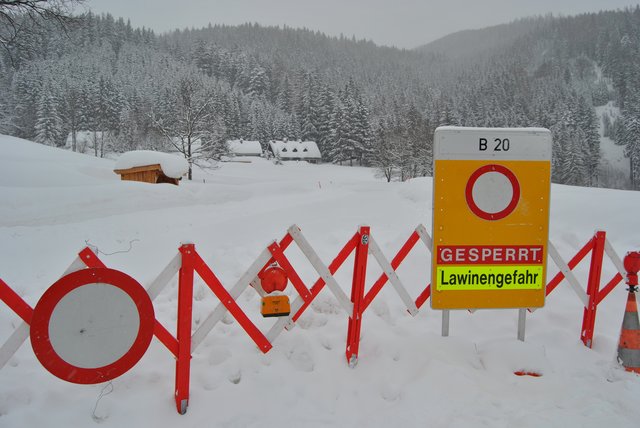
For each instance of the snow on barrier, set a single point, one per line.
(49, 325)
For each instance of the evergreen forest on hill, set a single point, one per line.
(363, 104)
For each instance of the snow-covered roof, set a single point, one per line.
(295, 149)
(244, 147)
(173, 166)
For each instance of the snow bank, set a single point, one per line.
(173, 166)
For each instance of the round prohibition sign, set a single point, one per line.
(487, 192)
(92, 325)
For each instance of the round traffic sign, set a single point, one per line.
(92, 325)
(492, 192)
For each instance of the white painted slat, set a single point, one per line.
(568, 274)
(285, 322)
(161, 281)
(13, 343)
(75, 266)
(615, 258)
(321, 268)
(424, 236)
(375, 250)
(216, 315)
(255, 284)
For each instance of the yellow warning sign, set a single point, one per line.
(490, 217)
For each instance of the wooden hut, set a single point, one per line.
(146, 174)
(151, 167)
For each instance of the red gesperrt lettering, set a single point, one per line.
(490, 254)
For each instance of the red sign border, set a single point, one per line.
(56, 365)
(514, 198)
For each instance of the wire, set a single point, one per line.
(97, 250)
(106, 390)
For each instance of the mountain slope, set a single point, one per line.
(481, 41)
(355, 99)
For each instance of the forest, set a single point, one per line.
(191, 90)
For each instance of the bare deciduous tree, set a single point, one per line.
(20, 16)
(189, 121)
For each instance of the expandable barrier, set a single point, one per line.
(187, 263)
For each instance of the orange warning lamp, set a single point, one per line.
(632, 266)
(272, 279)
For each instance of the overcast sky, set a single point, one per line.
(401, 23)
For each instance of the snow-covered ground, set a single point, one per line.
(55, 202)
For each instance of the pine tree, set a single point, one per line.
(630, 129)
(258, 82)
(48, 125)
(74, 109)
(385, 157)
(588, 124)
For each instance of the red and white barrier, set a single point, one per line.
(187, 263)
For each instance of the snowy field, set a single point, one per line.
(55, 202)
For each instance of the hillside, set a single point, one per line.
(407, 372)
(363, 104)
(484, 41)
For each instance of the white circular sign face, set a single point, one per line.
(492, 192)
(94, 325)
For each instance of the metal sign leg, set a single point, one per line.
(522, 320)
(445, 323)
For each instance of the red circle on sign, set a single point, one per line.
(515, 197)
(42, 313)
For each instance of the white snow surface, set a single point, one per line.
(56, 202)
(173, 165)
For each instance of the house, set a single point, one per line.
(151, 167)
(288, 150)
(244, 148)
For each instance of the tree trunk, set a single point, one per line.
(102, 144)
(190, 175)
(74, 144)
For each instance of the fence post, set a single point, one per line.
(185, 303)
(357, 295)
(593, 287)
